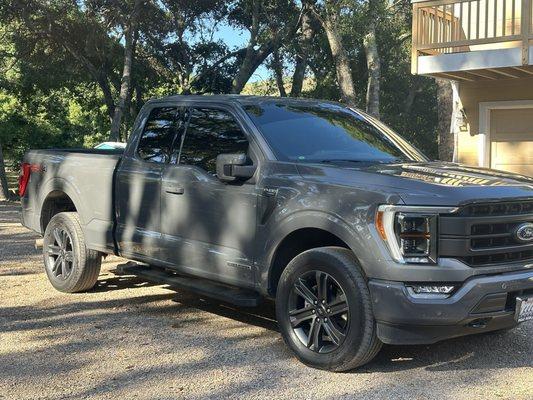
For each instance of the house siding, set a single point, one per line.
(473, 93)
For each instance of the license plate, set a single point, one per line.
(524, 308)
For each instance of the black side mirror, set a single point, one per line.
(231, 167)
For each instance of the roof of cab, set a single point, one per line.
(236, 98)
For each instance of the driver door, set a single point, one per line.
(209, 226)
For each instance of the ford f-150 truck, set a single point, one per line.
(356, 235)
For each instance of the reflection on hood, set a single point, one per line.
(449, 174)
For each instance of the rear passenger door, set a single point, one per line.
(138, 183)
(209, 226)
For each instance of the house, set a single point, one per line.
(485, 47)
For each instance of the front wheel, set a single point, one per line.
(324, 310)
(70, 266)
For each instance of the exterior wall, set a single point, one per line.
(473, 93)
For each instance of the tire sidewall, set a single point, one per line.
(358, 318)
(64, 222)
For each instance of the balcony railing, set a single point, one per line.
(454, 26)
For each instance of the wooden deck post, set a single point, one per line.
(415, 39)
(526, 30)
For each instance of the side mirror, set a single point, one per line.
(231, 167)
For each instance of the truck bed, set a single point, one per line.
(86, 177)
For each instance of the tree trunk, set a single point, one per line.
(4, 190)
(245, 72)
(340, 58)
(246, 69)
(124, 88)
(373, 63)
(410, 99)
(108, 96)
(277, 66)
(125, 83)
(301, 59)
(445, 107)
(250, 63)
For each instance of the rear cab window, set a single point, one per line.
(210, 132)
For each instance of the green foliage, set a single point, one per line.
(59, 118)
(61, 63)
(408, 103)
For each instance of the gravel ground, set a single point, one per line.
(129, 339)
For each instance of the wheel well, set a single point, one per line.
(56, 202)
(295, 243)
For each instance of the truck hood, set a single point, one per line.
(431, 183)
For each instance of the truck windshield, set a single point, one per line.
(326, 132)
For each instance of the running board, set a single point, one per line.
(203, 287)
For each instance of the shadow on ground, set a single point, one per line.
(128, 337)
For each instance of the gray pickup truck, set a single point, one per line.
(359, 238)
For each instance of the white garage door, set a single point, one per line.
(511, 134)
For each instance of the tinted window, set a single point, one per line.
(211, 132)
(156, 142)
(303, 132)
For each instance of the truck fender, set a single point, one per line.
(62, 185)
(325, 221)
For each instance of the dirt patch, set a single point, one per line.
(130, 339)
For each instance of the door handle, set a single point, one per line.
(174, 189)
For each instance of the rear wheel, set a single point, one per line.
(324, 311)
(70, 266)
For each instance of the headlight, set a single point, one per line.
(410, 232)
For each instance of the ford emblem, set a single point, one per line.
(524, 232)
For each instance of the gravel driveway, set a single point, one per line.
(130, 339)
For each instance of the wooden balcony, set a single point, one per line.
(472, 39)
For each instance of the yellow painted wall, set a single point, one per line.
(473, 93)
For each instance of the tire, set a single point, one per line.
(70, 266)
(346, 339)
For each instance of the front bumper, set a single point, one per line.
(481, 304)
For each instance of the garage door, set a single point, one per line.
(511, 133)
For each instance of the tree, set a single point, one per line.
(277, 67)
(72, 72)
(307, 32)
(74, 33)
(269, 23)
(179, 63)
(373, 61)
(328, 15)
(4, 190)
(445, 108)
(129, 27)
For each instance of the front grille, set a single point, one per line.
(500, 258)
(497, 209)
(484, 234)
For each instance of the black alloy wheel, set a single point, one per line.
(318, 310)
(324, 310)
(69, 264)
(61, 254)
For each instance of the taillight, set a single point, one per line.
(25, 170)
(24, 178)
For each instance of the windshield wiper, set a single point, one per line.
(334, 160)
(347, 160)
